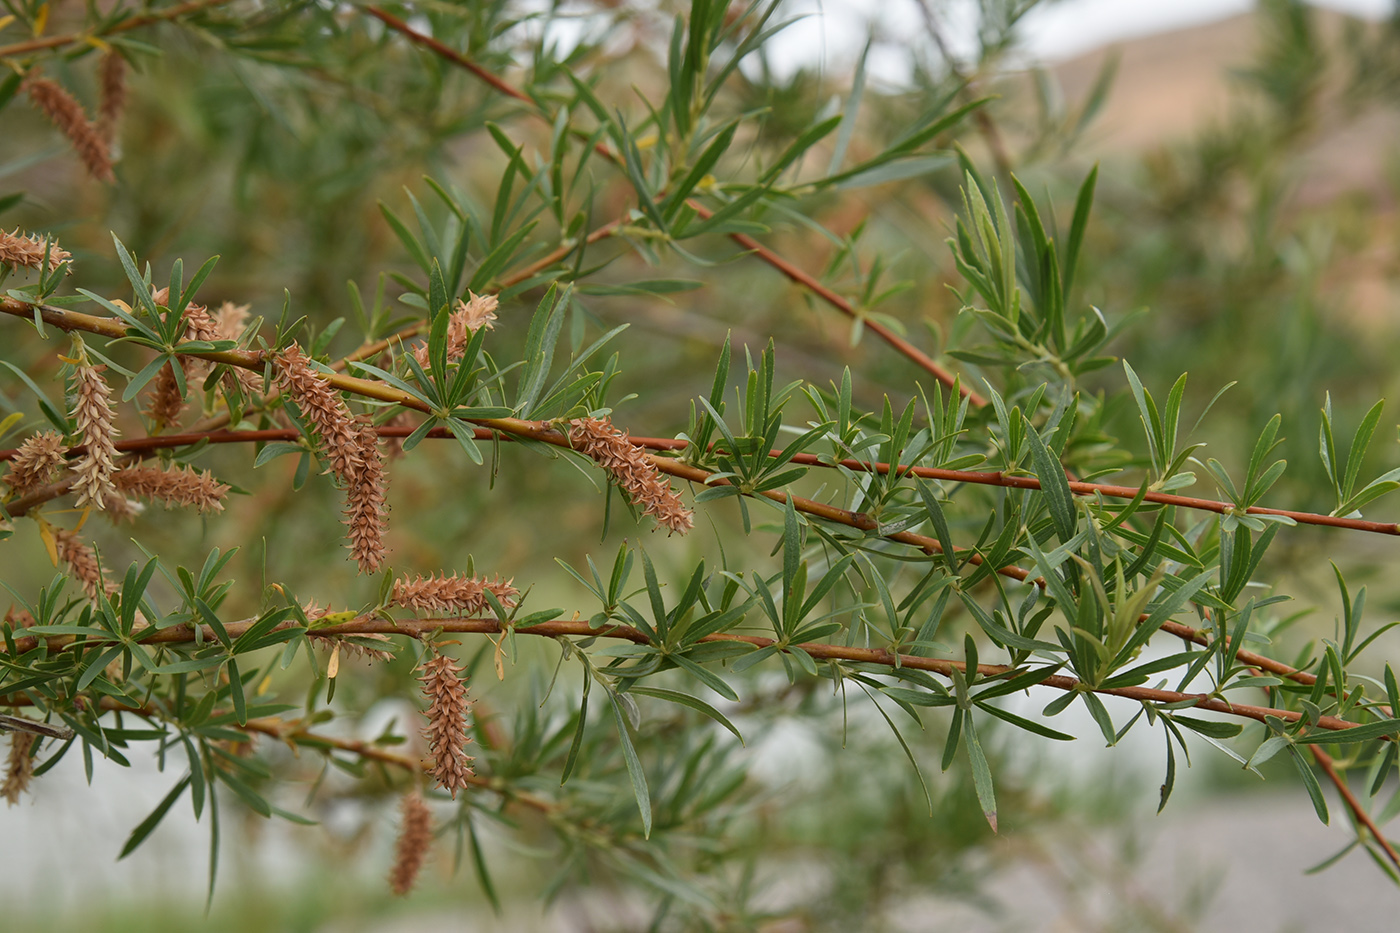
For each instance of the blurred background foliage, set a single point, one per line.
(270, 135)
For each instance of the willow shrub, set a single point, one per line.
(989, 507)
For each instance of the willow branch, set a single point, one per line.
(794, 273)
(561, 628)
(374, 348)
(1358, 812)
(125, 25)
(975, 477)
(295, 734)
(1020, 481)
(544, 433)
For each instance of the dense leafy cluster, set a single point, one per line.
(915, 537)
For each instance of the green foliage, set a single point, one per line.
(844, 536)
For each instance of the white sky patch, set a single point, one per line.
(834, 31)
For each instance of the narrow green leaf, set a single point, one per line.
(1310, 783)
(634, 765)
(684, 699)
(148, 825)
(1054, 485)
(981, 773)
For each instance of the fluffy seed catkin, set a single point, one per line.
(455, 595)
(199, 326)
(34, 463)
(446, 731)
(323, 408)
(68, 116)
(631, 470)
(20, 768)
(92, 410)
(415, 838)
(351, 447)
(18, 249)
(111, 79)
(468, 317)
(81, 561)
(121, 509)
(231, 319)
(173, 486)
(164, 402)
(366, 515)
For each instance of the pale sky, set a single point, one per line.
(835, 30)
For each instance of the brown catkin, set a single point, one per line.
(93, 413)
(17, 249)
(164, 402)
(19, 618)
(631, 470)
(199, 326)
(415, 838)
(231, 319)
(120, 509)
(468, 317)
(68, 115)
(20, 769)
(229, 322)
(173, 486)
(321, 406)
(34, 463)
(446, 731)
(81, 561)
(455, 595)
(366, 515)
(111, 78)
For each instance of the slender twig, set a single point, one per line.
(985, 125)
(126, 25)
(447, 52)
(976, 477)
(1358, 812)
(915, 355)
(295, 734)
(1019, 481)
(560, 628)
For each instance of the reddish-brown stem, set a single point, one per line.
(1358, 812)
(72, 320)
(447, 52)
(126, 25)
(984, 478)
(812, 284)
(559, 628)
(793, 272)
(1017, 481)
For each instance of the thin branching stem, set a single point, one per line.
(1358, 812)
(793, 272)
(562, 628)
(125, 25)
(537, 431)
